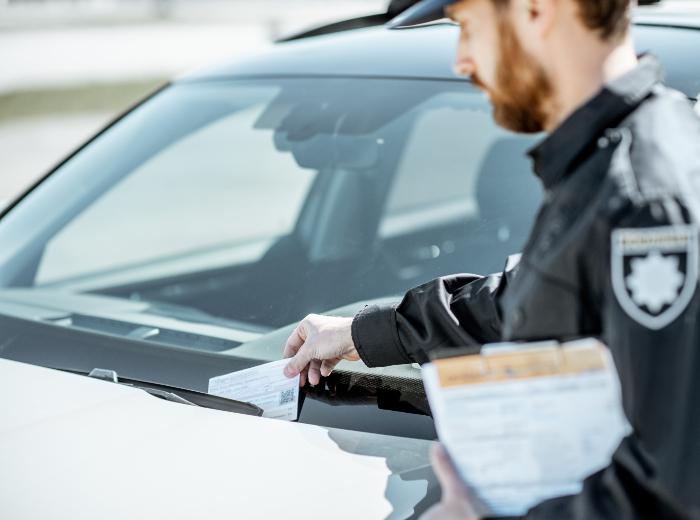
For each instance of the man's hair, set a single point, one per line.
(610, 18)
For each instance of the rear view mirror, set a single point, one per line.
(321, 151)
(335, 127)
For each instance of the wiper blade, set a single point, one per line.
(168, 396)
(175, 394)
(111, 375)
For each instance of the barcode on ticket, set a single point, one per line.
(287, 396)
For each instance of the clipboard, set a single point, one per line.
(527, 422)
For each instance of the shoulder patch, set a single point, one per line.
(655, 272)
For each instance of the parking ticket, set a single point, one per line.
(265, 386)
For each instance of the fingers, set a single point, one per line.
(314, 372)
(452, 486)
(324, 339)
(318, 368)
(327, 366)
(297, 349)
(300, 360)
(294, 342)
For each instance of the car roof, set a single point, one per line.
(427, 53)
(375, 51)
(673, 13)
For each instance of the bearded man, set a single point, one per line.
(613, 252)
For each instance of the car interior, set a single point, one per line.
(344, 246)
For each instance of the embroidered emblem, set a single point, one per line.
(655, 281)
(655, 272)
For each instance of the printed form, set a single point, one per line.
(265, 386)
(527, 423)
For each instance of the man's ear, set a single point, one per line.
(541, 15)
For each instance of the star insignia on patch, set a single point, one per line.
(655, 280)
(655, 272)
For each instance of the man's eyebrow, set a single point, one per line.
(449, 12)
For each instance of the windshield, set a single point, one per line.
(218, 212)
(264, 201)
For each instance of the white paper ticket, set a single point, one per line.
(265, 386)
(525, 425)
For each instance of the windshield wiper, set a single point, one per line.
(111, 375)
(174, 394)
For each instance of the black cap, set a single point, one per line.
(425, 11)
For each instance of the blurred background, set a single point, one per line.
(69, 66)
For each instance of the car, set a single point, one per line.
(187, 238)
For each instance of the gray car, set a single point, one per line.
(183, 241)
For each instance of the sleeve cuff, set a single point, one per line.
(375, 336)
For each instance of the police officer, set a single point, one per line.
(613, 252)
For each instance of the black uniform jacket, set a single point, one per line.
(613, 254)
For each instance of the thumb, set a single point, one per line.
(450, 481)
(300, 360)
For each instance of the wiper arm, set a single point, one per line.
(111, 375)
(174, 394)
(168, 396)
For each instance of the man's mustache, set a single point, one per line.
(478, 83)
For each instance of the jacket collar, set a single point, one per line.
(557, 156)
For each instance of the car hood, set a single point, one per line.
(75, 447)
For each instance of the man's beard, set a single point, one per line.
(522, 88)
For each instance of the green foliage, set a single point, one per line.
(113, 97)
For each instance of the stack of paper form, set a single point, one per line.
(527, 423)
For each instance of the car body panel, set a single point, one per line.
(375, 51)
(427, 53)
(77, 447)
(678, 13)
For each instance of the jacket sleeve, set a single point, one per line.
(453, 311)
(655, 472)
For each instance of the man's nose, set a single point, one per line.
(464, 66)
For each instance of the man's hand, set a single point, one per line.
(457, 501)
(317, 345)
